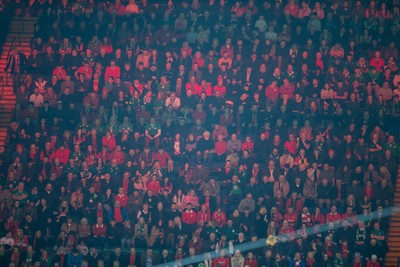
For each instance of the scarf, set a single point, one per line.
(132, 259)
(117, 214)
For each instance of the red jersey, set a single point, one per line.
(189, 217)
(289, 231)
(272, 93)
(306, 218)
(87, 72)
(291, 218)
(298, 206)
(251, 263)
(220, 147)
(249, 146)
(99, 230)
(291, 147)
(205, 217)
(222, 261)
(221, 89)
(196, 88)
(110, 143)
(378, 63)
(286, 90)
(123, 200)
(349, 217)
(112, 72)
(319, 219)
(162, 158)
(333, 217)
(219, 218)
(154, 187)
(62, 155)
(118, 156)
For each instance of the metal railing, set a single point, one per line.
(2, 77)
(2, 87)
(11, 47)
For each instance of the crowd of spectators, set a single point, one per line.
(157, 131)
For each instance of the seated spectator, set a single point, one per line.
(312, 139)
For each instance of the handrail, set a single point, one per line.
(8, 55)
(11, 46)
(2, 87)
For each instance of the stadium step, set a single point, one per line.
(19, 35)
(392, 256)
(22, 25)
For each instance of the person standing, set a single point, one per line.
(16, 62)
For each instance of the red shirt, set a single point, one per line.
(112, 72)
(291, 218)
(118, 156)
(221, 89)
(189, 217)
(298, 206)
(205, 217)
(349, 217)
(372, 264)
(12, 227)
(272, 93)
(107, 47)
(368, 191)
(306, 218)
(229, 49)
(96, 86)
(345, 250)
(99, 230)
(333, 217)
(63, 156)
(289, 231)
(206, 89)
(291, 147)
(119, 9)
(320, 219)
(219, 218)
(292, 9)
(220, 147)
(83, 70)
(132, 259)
(110, 143)
(60, 73)
(251, 263)
(222, 261)
(378, 63)
(162, 158)
(154, 186)
(196, 88)
(123, 200)
(286, 90)
(249, 146)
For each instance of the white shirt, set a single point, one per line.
(176, 104)
(7, 241)
(37, 100)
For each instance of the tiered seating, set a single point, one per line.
(19, 35)
(393, 255)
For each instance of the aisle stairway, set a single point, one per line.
(394, 232)
(19, 35)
